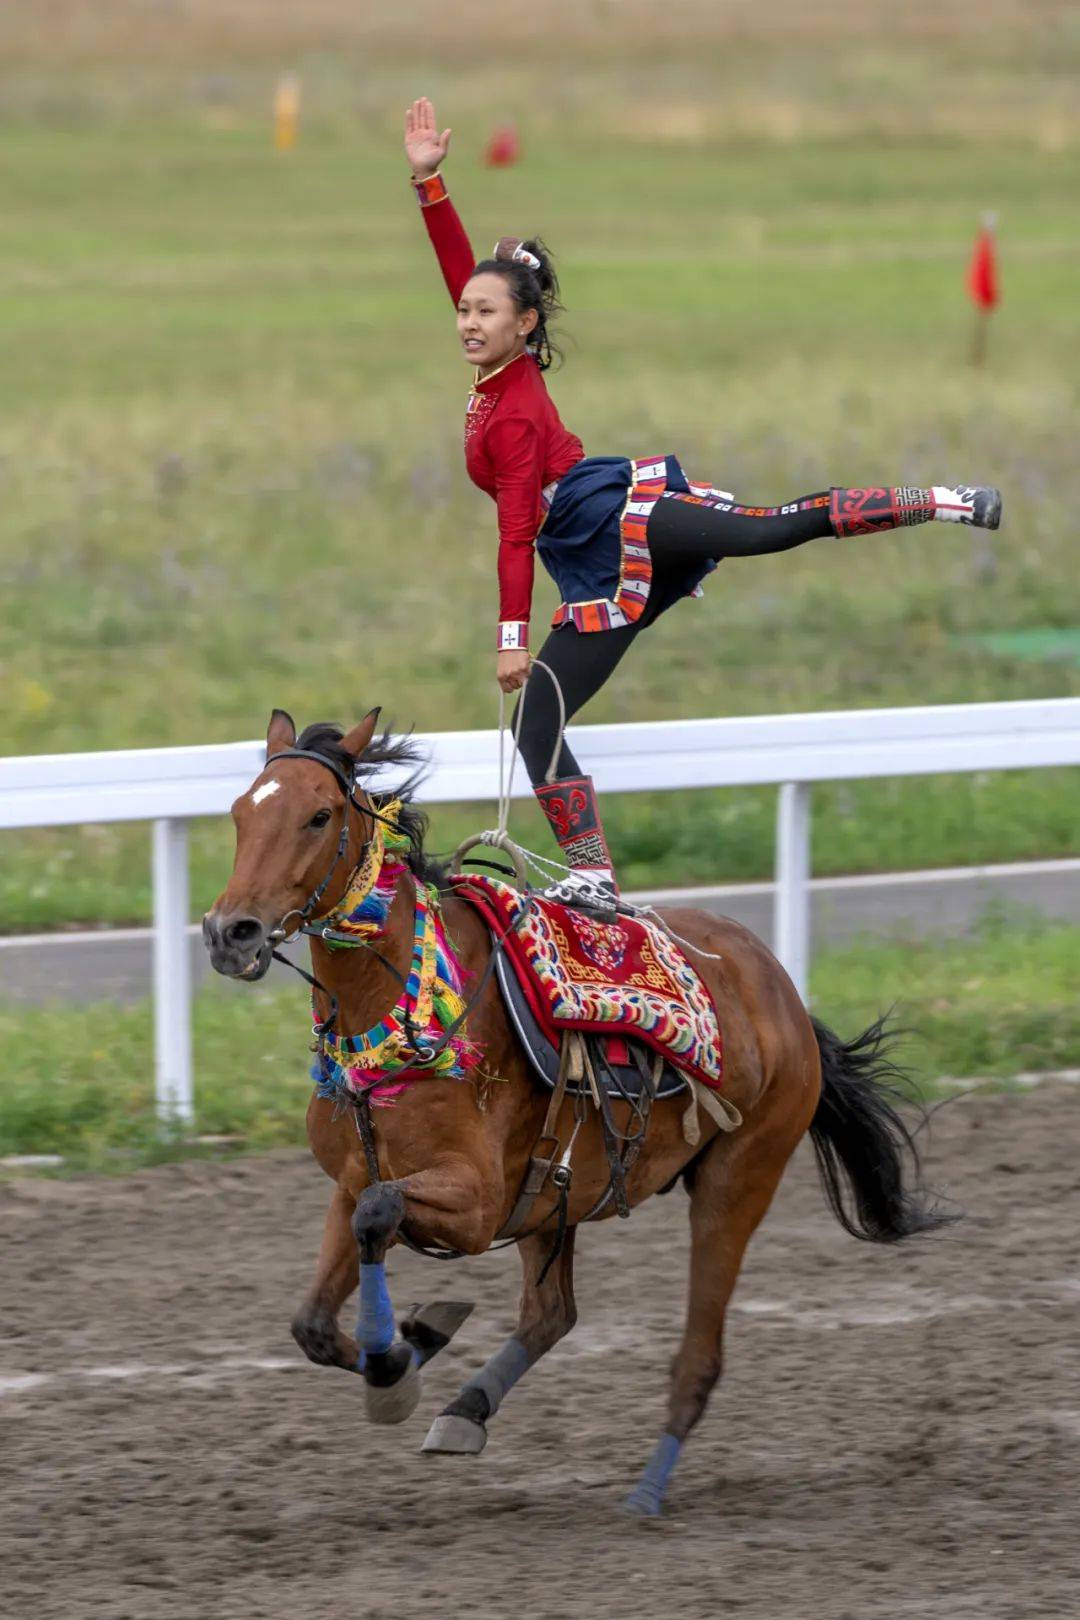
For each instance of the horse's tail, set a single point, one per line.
(863, 1145)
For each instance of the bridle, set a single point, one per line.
(281, 935)
(425, 1054)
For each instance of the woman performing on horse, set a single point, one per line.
(431, 1123)
(622, 538)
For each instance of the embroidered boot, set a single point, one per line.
(570, 806)
(868, 511)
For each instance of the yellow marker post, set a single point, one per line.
(286, 112)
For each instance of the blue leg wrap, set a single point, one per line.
(648, 1493)
(375, 1328)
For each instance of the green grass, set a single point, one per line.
(82, 1086)
(231, 441)
(90, 1097)
(1001, 1006)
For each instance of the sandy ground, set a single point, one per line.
(898, 1433)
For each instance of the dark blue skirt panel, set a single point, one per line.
(583, 538)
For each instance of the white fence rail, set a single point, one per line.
(169, 786)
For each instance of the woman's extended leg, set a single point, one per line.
(581, 662)
(691, 528)
(687, 529)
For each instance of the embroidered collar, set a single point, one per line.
(496, 381)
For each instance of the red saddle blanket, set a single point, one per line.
(626, 978)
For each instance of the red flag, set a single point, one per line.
(503, 148)
(982, 277)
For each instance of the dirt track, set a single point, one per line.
(898, 1434)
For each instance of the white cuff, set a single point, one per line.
(514, 635)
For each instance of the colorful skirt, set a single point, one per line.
(593, 542)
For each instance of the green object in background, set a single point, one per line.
(1043, 646)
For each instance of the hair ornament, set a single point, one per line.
(511, 248)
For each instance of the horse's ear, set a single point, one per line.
(280, 733)
(355, 741)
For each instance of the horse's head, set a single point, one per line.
(300, 830)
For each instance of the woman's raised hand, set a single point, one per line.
(425, 148)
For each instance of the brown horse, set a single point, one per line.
(452, 1154)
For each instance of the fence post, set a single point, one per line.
(172, 975)
(791, 913)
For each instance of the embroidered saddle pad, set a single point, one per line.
(618, 1063)
(625, 979)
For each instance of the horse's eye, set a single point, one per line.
(319, 819)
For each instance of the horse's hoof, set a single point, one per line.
(454, 1435)
(318, 1339)
(429, 1328)
(393, 1403)
(644, 1502)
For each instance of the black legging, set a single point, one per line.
(679, 532)
(684, 530)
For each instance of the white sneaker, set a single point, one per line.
(590, 891)
(977, 505)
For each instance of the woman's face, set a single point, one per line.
(491, 327)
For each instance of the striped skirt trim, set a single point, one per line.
(648, 481)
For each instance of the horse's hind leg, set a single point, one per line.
(731, 1187)
(547, 1313)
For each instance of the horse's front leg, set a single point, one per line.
(450, 1205)
(547, 1314)
(315, 1325)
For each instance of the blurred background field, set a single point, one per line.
(230, 446)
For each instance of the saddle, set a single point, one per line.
(626, 983)
(607, 1012)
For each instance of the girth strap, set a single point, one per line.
(541, 1162)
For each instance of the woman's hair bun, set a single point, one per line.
(512, 250)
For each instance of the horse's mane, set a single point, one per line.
(385, 750)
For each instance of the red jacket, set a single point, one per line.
(515, 444)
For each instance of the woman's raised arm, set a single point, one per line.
(425, 149)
